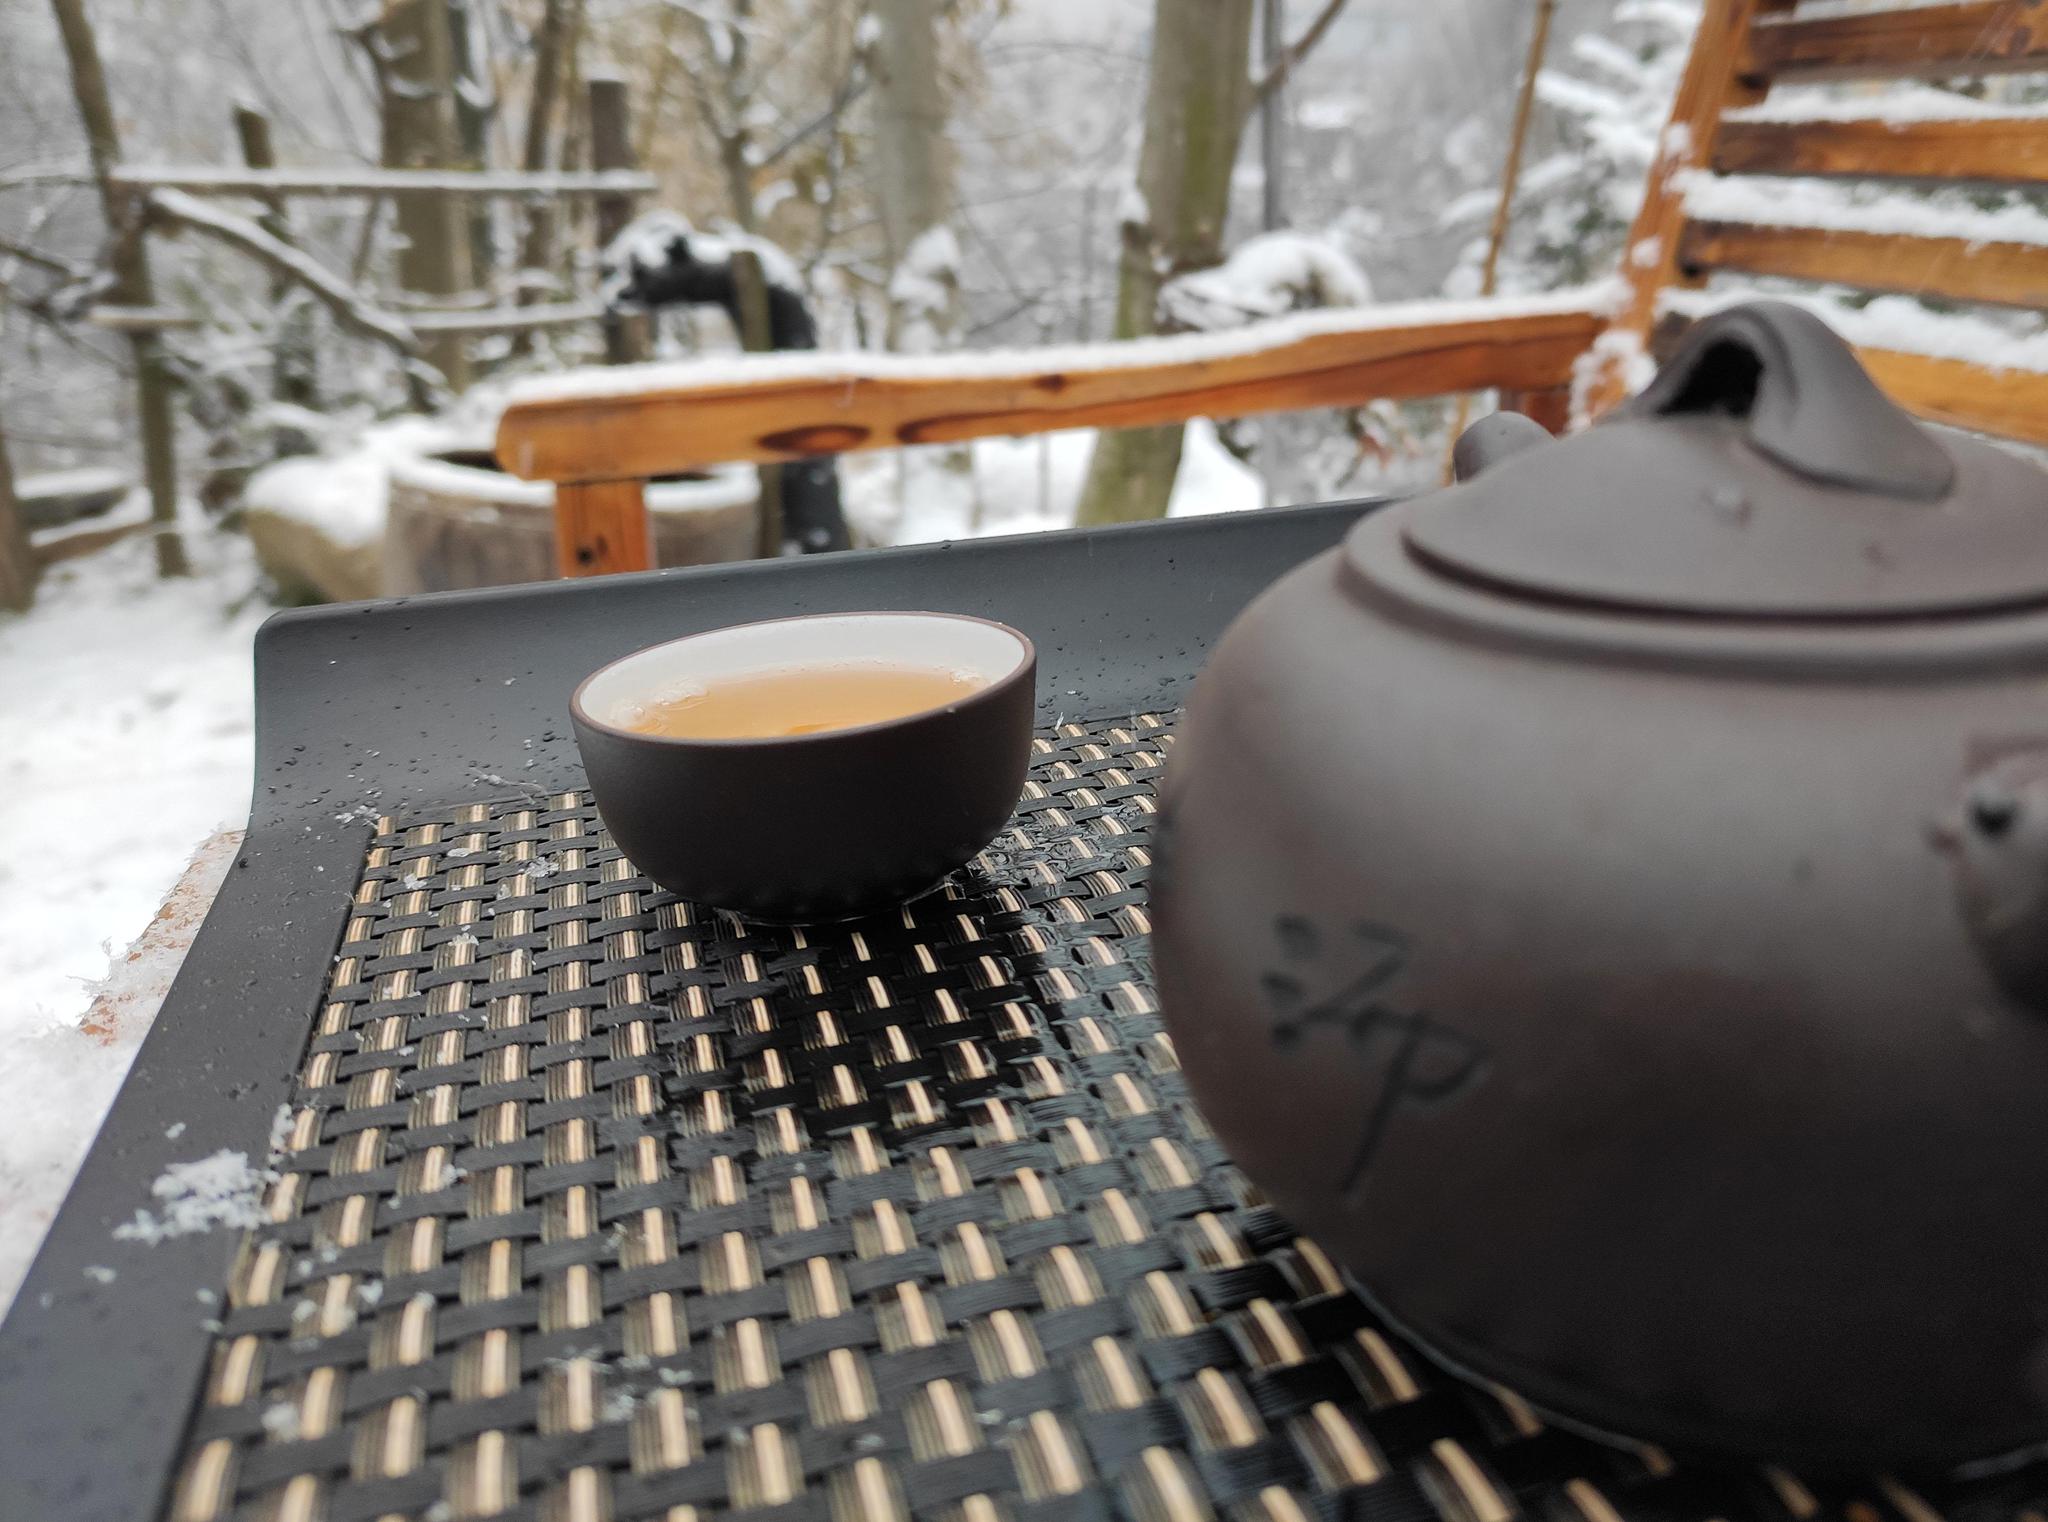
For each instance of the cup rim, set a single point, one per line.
(1027, 662)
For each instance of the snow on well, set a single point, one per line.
(1860, 207)
(738, 371)
(342, 494)
(128, 722)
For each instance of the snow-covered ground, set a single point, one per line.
(125, 743)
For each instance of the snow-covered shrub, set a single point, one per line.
(1607, 104)
(1264, 276)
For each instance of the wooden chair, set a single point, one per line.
(599, 437)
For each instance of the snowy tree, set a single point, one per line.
(1606, 104)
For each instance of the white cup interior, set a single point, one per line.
(988, 652)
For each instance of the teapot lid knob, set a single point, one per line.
(1804, 401)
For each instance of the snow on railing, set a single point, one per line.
(826, 366)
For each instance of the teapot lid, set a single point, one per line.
(1762, 475)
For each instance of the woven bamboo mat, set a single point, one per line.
(596, 1206)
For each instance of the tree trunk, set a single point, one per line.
(729, 124)
(475, 104)
(418, 110)
(17, 557)
(129, 261)
(1195, 107)
(1272, 120)
(914, 169)
(558, 25)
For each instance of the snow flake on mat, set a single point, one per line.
(224, 1189)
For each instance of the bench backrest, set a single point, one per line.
(1734, 193)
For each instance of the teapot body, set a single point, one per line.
(1627, 1014)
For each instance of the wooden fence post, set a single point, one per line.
(611, 147)
(129, 260)
(17, 557)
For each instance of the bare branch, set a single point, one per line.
(1291, 57)
(9, 249)
(851, 88)
(347, 304)
(46, 174)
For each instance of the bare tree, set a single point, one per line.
(17, 556)
(129, 261)
(914, 172)
(559, 24)
(475, 99)
(1196, 101)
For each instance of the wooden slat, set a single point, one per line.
(1551, 407)
(1708, 87)
(782, 412)
(2011, 403)
(601, 527)
(2012, 150)
(2006, 274)
(553, 314)
(1930, 42)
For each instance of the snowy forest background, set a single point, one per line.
(929, 175)
(769, 117)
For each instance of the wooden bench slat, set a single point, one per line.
(2010, 403)
(2011, 150)
(2005, 274)
(786, 413)
(1931, 42)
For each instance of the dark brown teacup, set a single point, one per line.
(822, 825)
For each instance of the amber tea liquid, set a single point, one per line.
(801, 700)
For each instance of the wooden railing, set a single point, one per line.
(598, 439)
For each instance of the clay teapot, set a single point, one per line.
(1606, 903)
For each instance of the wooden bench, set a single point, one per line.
(1569, 355)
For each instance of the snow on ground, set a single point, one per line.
(127, 742)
